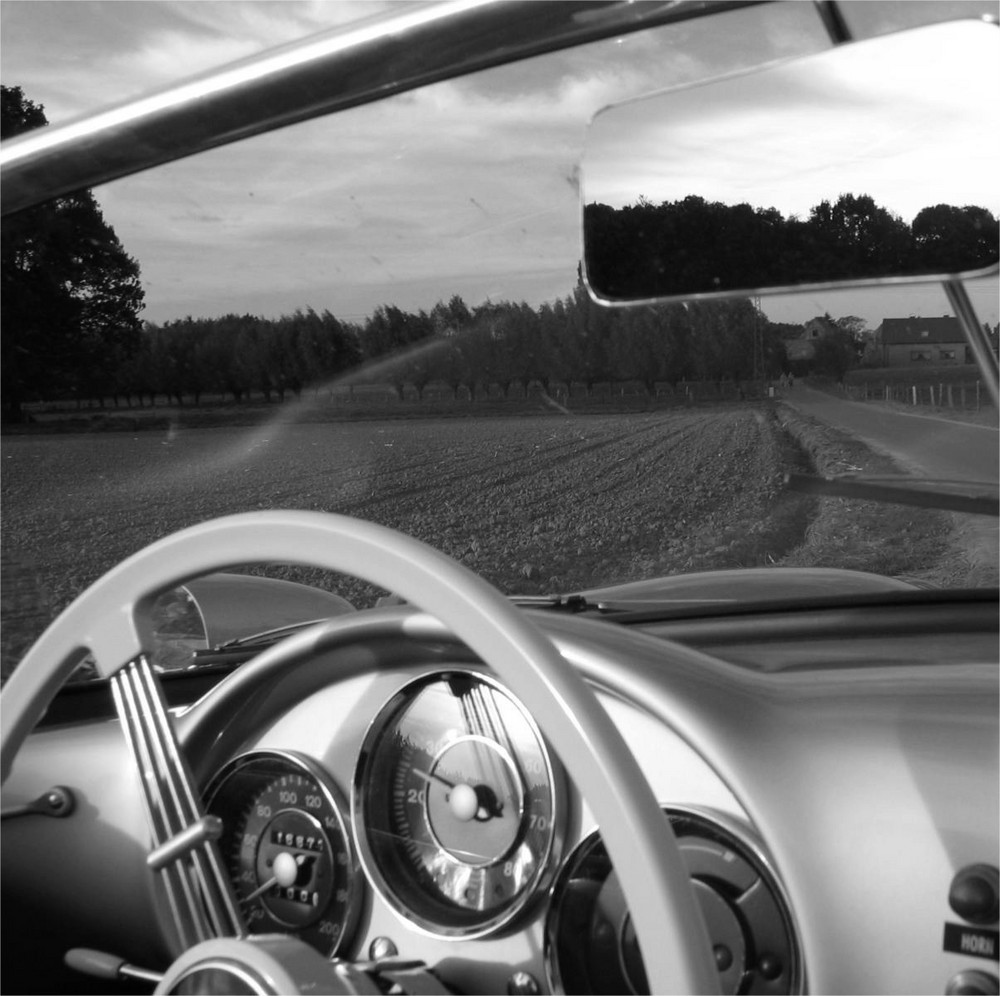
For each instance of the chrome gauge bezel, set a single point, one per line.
(406, 885)
(329, 934)
(734, 834)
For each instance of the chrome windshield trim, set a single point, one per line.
(321, 74)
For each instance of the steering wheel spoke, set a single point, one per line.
(199, 894)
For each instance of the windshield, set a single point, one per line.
(381, 313)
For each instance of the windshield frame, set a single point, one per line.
(316, 76)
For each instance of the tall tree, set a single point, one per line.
(950, 239)
(71, 295)
(854, 237)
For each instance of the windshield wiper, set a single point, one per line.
(249, 645)
(565, 603)
(976, 497)
(611, 606)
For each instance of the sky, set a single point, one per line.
(882, 118)
(468, 187)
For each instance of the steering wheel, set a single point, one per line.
(111, 620)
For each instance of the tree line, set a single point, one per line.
(72, 298)
(694, 246)
(496, 346)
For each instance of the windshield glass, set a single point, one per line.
(381, 314)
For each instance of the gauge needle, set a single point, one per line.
(432, 778)
(286, 870)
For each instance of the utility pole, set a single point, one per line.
(758, 346)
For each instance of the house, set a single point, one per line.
(908, 342)
(800, 345)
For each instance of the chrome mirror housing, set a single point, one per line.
(869, 163)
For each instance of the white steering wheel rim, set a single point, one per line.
(109, 620)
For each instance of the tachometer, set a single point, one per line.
(287, 847)
(456, 804)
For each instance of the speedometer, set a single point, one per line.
(456, 804)
(287, 848)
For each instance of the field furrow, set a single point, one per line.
(533, 504)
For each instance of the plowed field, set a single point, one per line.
(533, 504)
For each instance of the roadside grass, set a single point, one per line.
(969, 416)
(896, 540)
(952, 392)
(954, 374)
(367, 402)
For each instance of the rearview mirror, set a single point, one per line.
(869, 163)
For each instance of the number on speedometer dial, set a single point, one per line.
(456, 804)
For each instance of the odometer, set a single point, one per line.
(287, 847)
(456, 804)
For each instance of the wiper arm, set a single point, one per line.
(613, 606)
(949, 496)
(264, 638)
(565, 603)
(242, 648)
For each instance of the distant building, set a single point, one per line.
(800, 346)
(913, 342)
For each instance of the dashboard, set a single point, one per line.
(388, 797)
(465, 829)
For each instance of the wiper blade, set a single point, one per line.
(244, 647)
(979, 498)
(263, 639)
(565, 603)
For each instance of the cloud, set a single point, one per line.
(76, 56)
(172, 55)
(468, 186)
(205, 35)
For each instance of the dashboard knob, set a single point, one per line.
(973, 893)
(523, 984)
(973, 983)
